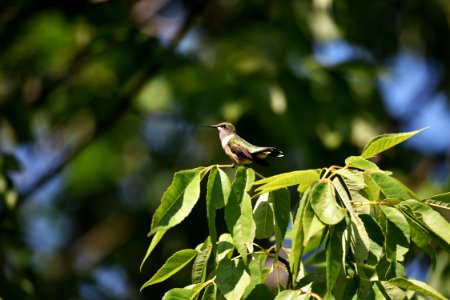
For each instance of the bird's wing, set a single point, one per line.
(240, 151)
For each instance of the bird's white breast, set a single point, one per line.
(226, 139)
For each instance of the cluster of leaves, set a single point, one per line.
(351, 230)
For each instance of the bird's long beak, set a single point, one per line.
(213, 126)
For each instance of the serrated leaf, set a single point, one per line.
(187, 293)
(155, 240)
(302, 178)
(217, 193)
(178, 200)
(263, 216)
(430, 218)
(441, 200)
(386, 141)
(323, 201)
(361, 163)
(232, 279)
(281, 203)
(199, 267)
(417, 286)
(173, 264)
(391, 187)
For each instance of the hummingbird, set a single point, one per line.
(239, 150)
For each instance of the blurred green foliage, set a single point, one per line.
(98, 102)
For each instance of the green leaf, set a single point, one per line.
(397, 234)
(311, 224)
(263, 216)
(178, 200)
(386, 141)
(417, 286)
(238, 189)
(323, 201)
(334, 255)
(217, 193)
(361, 163)
(391, 187)
(291, 295)
(304, 178)
(155, 240)
(232, 279)
(359, 238)
(376, 237)
(258, 272)
(210, 292)
(441, 200)
(199, 268)
(225, 247)
(244, 229)
(238, 211)
(348, 186)
(422, 237)
(430, 218)
(173, 264)
(281, 203)
(297, 237)
(393, 292)
(187, 293)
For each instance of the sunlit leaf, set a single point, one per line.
(302, 178)
(311, 224)
(391, 187)
(155, 240)
(188, 293)
(323, 201)
(238, 211)
(217, 193)
(376, 238)
(441, 200)
(417, 286)
(173, 264)
(291, 295)
(386, 141)
(232, 279)
(178, 200)
(361, 163)
(258, 272)
(199, 267)
(263, 216)
(397, 233)
(225, 247)
(430, 218)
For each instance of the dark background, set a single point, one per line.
(99, 102)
